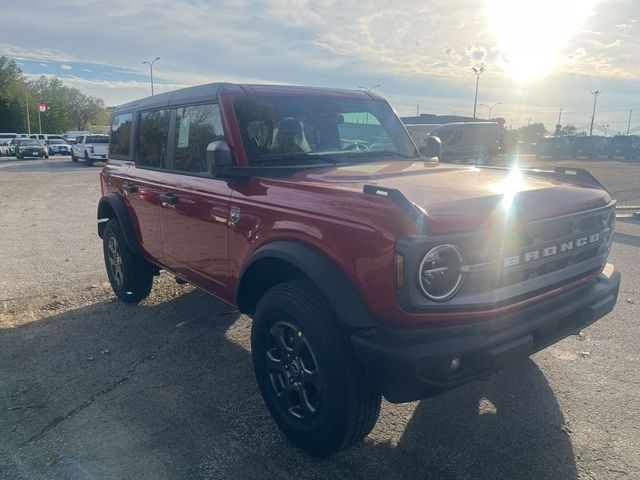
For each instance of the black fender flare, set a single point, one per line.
(114, 202)
(342, 295)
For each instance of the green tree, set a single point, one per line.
(12, 97)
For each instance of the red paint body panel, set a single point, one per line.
(327, 209)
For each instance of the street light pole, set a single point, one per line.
(371, 88)
(478, 72)
(629, 124)
(593, 115)
(490, 107)
(151, 70)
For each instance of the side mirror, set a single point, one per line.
(219, 158)
(431, 147)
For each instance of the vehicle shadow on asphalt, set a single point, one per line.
(166, 390)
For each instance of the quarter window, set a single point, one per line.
(121, 134)
(196, 127)
(153, 133)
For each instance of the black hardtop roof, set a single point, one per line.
(202, 93)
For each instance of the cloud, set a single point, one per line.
(64, 66)
(421, 52)
(43, 64)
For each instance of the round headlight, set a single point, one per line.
(441, 272)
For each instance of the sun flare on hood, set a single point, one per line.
(531, 34)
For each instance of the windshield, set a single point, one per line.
(29, 143)
(56, 141)
(97, 139)
(281, 129)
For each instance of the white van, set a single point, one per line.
(468, 142)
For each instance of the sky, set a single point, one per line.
(539, 55)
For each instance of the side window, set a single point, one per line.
(80, 139)
(196, 127)
(153, 133)
(121, 134)
(456, 137)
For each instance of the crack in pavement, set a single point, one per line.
(130, 372)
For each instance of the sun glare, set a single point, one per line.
(531, 33)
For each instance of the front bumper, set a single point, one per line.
(33, 153)
(407, 365)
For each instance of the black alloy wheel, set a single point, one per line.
(293, 370)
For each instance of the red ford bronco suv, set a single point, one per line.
(369, 269)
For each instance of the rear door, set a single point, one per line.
(145, 181)
(195, 209)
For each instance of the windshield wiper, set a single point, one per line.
(367, 153)
(314, 159)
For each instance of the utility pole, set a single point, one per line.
(418, 110)
(151, 70)
(559, 125)
(593, 115)
(629, 123)
(560, 116)
(529, 121)
(26, 102)
(478, 72)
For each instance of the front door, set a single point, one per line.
(195, 206)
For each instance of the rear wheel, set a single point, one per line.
(309, 377)
(130, 275)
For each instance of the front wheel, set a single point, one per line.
(130, 275)
(308, 375)
(73, 157)
(87, 161)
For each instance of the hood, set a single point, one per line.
(460, 198)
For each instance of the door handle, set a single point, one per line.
(129, 188)
(169, 198)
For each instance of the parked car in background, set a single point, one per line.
(46, 136)
(58, 146)
(91, 148)
(552, 147)
(71, 136)
(30, 147)
(4, 147)
(420, 131)
(625, 146)
(468, 142)
(583, 146)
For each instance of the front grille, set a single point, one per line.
(541, 248)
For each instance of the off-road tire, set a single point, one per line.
(88, 162)
(132, 282)
(348, 406)
(73, 157)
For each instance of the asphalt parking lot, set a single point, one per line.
(92, 388)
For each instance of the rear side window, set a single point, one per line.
(196, 127)
(121, 134)
(153, 132)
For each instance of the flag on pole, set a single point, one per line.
(43, 107)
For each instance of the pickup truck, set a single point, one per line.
(369, 268)
(91, 148)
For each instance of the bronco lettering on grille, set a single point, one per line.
(551, 250)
